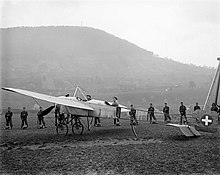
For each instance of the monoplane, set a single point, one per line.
(71, 110)
(77, 108)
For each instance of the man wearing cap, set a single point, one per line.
(132, 113)
(166, 111)
(41, 118)
(8, 117)
(182, 110)
(24, 115)
(197, 107)
(118, 111)
(151, 114)
(214, 107)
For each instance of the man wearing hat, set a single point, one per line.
(8, 117)
(182, 110)
(166, 111)
(132, 113)
(151, 114)
(118, 111)
(24, 115)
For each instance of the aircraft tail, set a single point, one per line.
(188, 131)
(206, 129)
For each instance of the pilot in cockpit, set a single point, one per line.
(88, 97)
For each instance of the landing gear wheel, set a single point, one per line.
(77, 128)
(62, 129)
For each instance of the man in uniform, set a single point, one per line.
(8, 117)
(118, 111)
(133, 119)
(41, 118)
(197, 107)
(214, 107)
(151, 114)
(88, 97)
(24, 115)
(166, 111)
(182, 110)
(97, 122)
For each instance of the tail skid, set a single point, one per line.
(188, 131)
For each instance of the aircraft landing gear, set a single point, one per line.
(77, 127)
(62, 128)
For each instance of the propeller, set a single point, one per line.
(47, 110)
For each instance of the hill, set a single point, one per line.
(55, 59)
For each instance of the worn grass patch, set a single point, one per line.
(108, 150)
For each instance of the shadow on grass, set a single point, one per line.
(181, 138)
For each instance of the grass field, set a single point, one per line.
(158, 149)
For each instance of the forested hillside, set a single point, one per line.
(54, 60)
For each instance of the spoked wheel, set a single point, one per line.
(62, 129)
(77, 128)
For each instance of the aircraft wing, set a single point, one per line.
(51, 99)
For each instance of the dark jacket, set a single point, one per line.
(182, 110)
(197, 108)
(166, 110)
(214, 108)
(132, 112)
(24, 114)
(39, 114)
(151, 110)
(8, 115)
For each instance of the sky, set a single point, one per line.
(187, 31)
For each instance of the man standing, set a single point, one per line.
(41, 118)
(118, 111)
(24, 115)
(97, 121)
(133, 119)
(182, 110)
(197, 107)
(8, 117)
(151, 114)
(214, 107)
(166, 111)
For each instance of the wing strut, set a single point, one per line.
(217, 89)
(217, 75)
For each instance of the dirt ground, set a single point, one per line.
(108, 149)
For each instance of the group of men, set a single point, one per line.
(166, 110)
(150, 116)
(23, 116)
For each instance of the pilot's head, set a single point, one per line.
(9, 108)
(88, 97)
